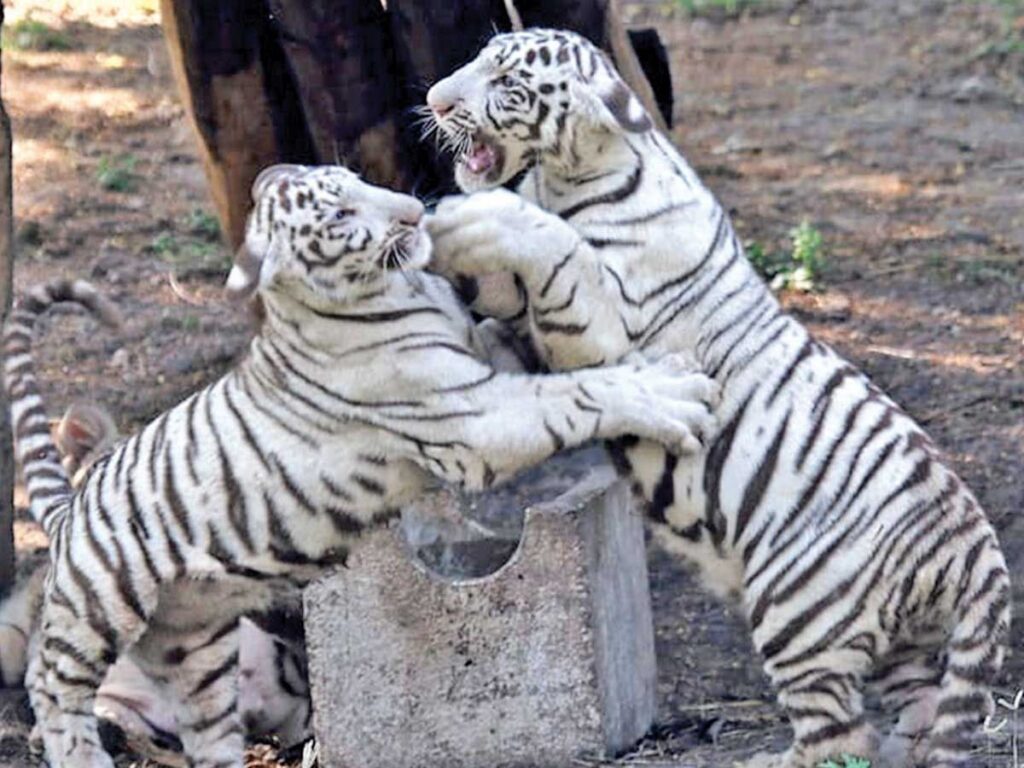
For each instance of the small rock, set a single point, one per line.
(736, 142)
(121, 359)
(974, 88)
(180, 363)
(135, 203)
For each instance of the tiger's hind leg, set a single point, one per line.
(822, 696)
(907, 683)
(199, 666)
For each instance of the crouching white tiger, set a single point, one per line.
(859, 557)
(273, 689)
(366, 378)
(133, 707)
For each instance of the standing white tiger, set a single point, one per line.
(856, 553)
(363, 383)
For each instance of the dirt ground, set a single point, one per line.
(896, 127)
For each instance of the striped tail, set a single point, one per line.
(49, 489)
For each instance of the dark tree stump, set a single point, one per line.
(321, 81)
(6, 275)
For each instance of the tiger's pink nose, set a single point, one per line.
(412, 213)
(439, 104)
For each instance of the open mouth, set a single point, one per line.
(483, 158)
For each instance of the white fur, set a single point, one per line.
(614, 237)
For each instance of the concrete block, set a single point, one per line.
(547, 659)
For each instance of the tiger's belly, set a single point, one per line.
(672, 491)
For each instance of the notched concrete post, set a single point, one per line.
(548, 659)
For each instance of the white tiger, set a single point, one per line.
(856, 553)
(273, 689)
(365, 380)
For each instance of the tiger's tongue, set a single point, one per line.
(481, 158)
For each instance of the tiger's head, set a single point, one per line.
(324, 237)
(529, 97)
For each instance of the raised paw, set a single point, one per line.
(496, 231)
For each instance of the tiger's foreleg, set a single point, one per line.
(568, 289)
(488, 432)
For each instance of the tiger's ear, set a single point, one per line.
(273, 174)
(244, 278)
(611, 101)
(85, 428)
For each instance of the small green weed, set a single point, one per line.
(190, 255)
(28, 34)
(1011, 33)
(117, 174)
(807, 248)
(164, 243)
(726, 7)
(849, 761)
(986, 271)
(203, 225)
(798, 270)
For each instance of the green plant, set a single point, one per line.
(117, 174)
(1011, 33)
(203, 224)
(728, 7)
(767, 263)
(849, 761)
(190, 255)
(807, 247)
(28, 34)
(800, 268)
(986, 271)
(164, 244)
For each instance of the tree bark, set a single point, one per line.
(6, 284)
(237, 90)
(322, 81)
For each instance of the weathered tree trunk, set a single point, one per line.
(322, 81)
(6, 275)
(231, 74)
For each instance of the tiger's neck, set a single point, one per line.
(707, 300)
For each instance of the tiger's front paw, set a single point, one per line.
(496, 231)
(672, 404)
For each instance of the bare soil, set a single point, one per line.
(896, 127)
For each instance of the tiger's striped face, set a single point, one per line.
(529, 97)
(321, 234)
